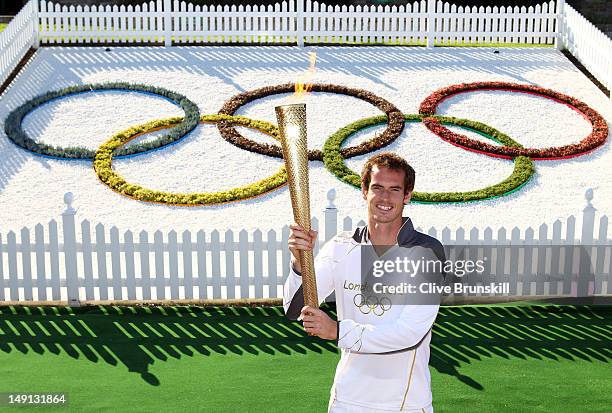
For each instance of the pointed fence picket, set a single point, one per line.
(173, 264)
(26, 264)
(100, 248)
(54, 258)
(130, 272)
(202, 272)
(12, 266)
(145, 269)
(115, 254)
(272, 267)
(41, 274)
(158, 248)
(88, 278)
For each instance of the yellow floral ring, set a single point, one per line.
(103, 159)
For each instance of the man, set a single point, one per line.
(384, 348)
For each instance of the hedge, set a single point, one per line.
(524, 167)
(393, 130)
(104, 157)
(596, 138)
(15, 132)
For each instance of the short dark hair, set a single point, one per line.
(392, 161)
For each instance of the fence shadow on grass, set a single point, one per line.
(139, 336)
(466, 334)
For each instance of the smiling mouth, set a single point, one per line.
(385, 208)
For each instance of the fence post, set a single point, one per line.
(588, 219)
(331, 216)
(560, 35)
(299, 15)
(586, 277)
(36, 24)
(167, 23)
(70, 253)
(431, 7)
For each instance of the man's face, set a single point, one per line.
(385, 195)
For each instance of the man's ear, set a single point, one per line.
(364, 192)
(407, 197)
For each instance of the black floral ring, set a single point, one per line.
(395, 120)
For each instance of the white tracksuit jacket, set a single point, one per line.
(384, 354)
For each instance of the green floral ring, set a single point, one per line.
(524, 167)
(104, 157)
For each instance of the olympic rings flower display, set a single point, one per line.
(333, 155)
(14, 130)
(596, 138)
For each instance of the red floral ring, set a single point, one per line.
(596, 138)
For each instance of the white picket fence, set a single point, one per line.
(425, 22)
(532, 25)
(589, 45)
(422, 22)
(234, 24)
(85, 264)
(102, 24)
(17, 38)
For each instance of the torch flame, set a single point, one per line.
(304, 83)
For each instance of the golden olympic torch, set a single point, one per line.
(292, 127)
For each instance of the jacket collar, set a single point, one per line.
(405, 235)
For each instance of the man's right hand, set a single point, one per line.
(299, 239)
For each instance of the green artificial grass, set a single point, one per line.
(503, 358)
